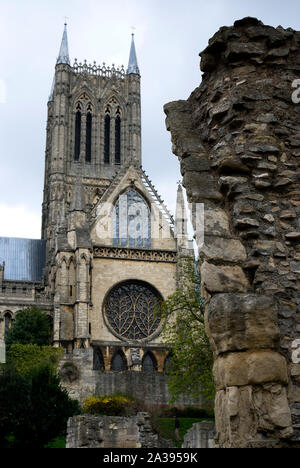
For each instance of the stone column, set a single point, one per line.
(237, 138)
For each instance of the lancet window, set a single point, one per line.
(107, 135)
(77, 132)
(149, 363)
(118, 363)
(83, 128)
(118, 137)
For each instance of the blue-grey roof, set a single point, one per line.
(24, 258)
(132, 64)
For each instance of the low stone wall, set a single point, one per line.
(81, 382)
(88, 431)
(201, 435)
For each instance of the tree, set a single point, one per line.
(34, 408)
(25, 357)
(190, 368)
(31, 326)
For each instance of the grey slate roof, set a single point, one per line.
(24, 258)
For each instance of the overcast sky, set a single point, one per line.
(169, 34)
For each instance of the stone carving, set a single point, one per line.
(136, 254)
(237, 140)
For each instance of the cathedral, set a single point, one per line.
(109, 247)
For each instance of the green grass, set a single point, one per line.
(167, 430)
(58, 442)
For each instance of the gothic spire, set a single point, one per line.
(63, 56)
(132, 64)
(52, 90)
(181, 231)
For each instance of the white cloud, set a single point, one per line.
(19, 221)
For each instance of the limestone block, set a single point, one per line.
(228, 250)
(250, 368)
(223, 278)
(246, 415)
(197, 162)
(239, 322)
(216, 222)
(201, 186)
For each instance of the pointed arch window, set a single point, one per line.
(88, 143)
(98, 363)
(77, 133)
(107, 137)
(7, 322)
(118, 363)
(149, 363)
(131, 221)
(118, 137)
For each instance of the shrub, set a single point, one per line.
(34, 408)
(187, 412)
(25, 357)
(117, 405)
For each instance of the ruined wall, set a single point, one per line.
(88, 431)
(201, 435)
(238, 141)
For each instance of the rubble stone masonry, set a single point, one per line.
(237, 138)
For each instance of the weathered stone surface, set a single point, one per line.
(249, 417)
(196, 162)
(244, 113)
(201, 435)
(201, 186)
(240, 322)
(87, 431)
(219, 248)
(216, 222)
(223, 278)
(250, 368)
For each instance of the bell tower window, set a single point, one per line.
(88, 145)
(77, 134)
(107, 138)
(118, 137)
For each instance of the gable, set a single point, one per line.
(131, 179)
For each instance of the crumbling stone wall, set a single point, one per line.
(237, 138)
(201, 435)
(87, 431)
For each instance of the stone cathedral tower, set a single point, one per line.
(111, 253)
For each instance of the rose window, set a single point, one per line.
(130, 310)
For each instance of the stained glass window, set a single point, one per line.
(130, 310)
(132, 224)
